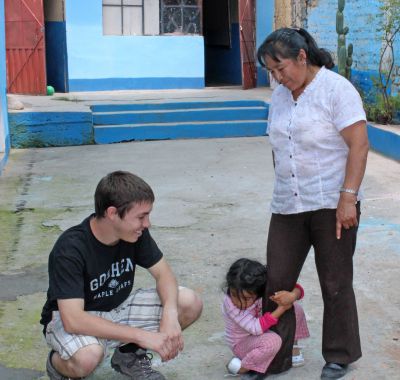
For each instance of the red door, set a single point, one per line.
(25, 47)
(247, 25)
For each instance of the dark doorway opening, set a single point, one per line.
(221, 43)
(56, 45)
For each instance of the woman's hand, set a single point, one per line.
(284, 298)
(346, 213)
(356, 138)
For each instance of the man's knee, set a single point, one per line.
(190, 306)
(85, 360)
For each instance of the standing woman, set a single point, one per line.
(317, 129)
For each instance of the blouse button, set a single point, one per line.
(290, 156)
(292, 175)
(290, 137)
(295, 194)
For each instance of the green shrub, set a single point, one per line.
(383, 112)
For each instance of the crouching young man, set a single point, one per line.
(91, 306)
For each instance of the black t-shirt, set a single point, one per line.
(80, 266)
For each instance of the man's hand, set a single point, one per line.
(346, 214)
(284, 298)
(158, 342)
(170, 326)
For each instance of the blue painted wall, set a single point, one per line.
(97, 62)
(360, 17)
(385, 142)
(5, 144)
(264, 26)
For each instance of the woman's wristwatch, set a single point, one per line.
(350, 191)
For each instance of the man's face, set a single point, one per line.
(131, 226)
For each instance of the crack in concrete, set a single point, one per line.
(23, 283)
(20, 207)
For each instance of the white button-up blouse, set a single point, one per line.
(310, 154)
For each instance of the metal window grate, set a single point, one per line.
(169, 17)
(180, 16)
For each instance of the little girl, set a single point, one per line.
(247, 329)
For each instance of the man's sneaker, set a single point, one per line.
(51, 371)
(333, 371)
(137, 365)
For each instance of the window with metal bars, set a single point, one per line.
(151, 17)
(180, 16)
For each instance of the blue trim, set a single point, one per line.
(107, 84)
(43, 129)
(385, 142)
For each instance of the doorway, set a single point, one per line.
(229, 42)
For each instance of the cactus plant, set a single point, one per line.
(345, 56)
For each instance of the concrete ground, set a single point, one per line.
(81, 101)
(212, 207)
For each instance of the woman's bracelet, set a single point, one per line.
(346, 190)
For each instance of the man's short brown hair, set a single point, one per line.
(122, 190)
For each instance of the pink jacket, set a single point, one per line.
(242, 323)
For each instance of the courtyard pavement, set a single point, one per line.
(81, 101)
(212, 207)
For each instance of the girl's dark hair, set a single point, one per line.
(287, 42)
(246, 275)
(122, 190)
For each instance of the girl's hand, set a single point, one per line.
(284, 298)
(280, 310)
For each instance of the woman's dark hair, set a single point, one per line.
(246, 275)
(287, 42)
(122, 190)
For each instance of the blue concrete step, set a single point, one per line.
(176, 105)
(106, 134)
(172, 120)
(180, 115)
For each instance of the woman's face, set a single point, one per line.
(292, 73)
